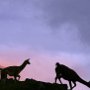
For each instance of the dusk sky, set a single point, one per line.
(47, 31)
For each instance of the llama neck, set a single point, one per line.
(23, 66)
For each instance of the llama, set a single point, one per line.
(13, 70)
(67, 73)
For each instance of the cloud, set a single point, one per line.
(61, 11)
(48, 25)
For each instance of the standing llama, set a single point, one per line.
(67, 73)
(13, 70)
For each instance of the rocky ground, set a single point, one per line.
(30, 84)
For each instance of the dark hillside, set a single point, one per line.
(30, 84)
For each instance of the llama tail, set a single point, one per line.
(84, 82)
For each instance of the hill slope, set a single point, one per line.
(30, 84)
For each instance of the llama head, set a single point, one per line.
(27, 61)
(57, 64)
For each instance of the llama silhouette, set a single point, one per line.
(13, 70)
(67, 73)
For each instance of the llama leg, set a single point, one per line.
(74, 85)
(56, 79)
(70, 85)
(60, 81)
(59, 78)
(18, 77)
(3, 74)
(15, 77)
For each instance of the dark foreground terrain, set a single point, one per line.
(30, 84)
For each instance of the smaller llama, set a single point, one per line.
(13, 70)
